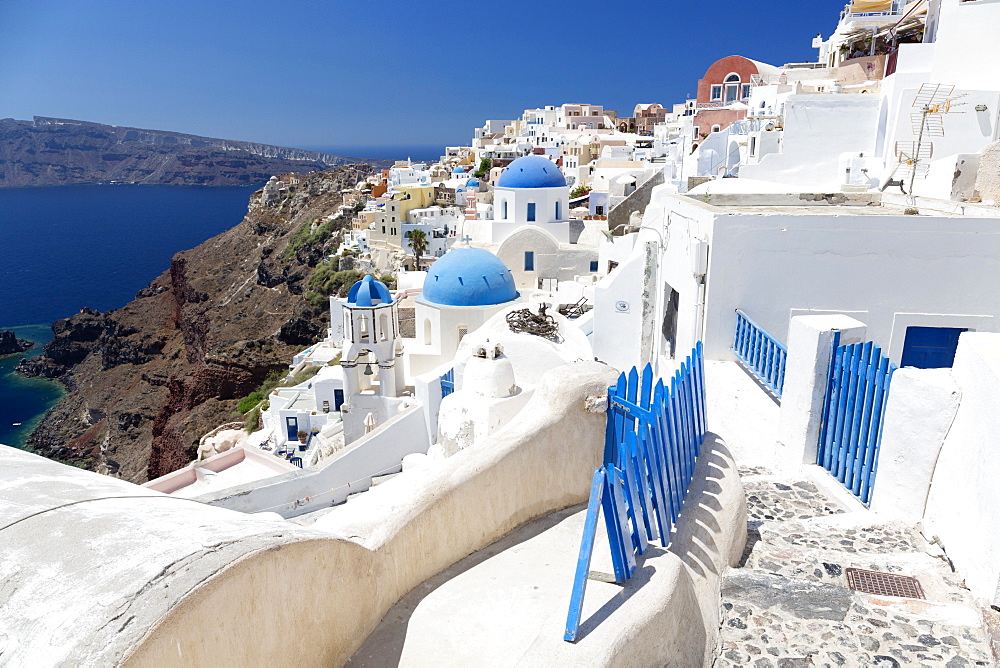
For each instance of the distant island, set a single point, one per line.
(59, 151)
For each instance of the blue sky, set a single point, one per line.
(327, 73)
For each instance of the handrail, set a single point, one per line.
(760, 353)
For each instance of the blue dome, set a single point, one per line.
(367, 293)
(532, 171)
(469, 277)
(472, 183)
(458, 170)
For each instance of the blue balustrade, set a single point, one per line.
(760, 353)
(654, 434)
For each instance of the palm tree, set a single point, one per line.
(418, 242)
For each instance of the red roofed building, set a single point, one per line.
(723, 91)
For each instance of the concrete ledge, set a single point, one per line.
(88, 577)
(313, 603)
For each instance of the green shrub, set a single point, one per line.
(249, 401)
(389, 280)
(316, 299)
(252, 421)
(306, 237)
(326, 280)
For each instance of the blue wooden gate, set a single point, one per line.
(447, 383)
(653, 437)
(852, 417)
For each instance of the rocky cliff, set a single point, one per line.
(58, 151)
(145, 381)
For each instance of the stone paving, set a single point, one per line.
(788, 604)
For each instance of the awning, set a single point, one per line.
(863, 6)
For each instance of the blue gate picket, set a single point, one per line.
(653, 436)
(447, 383)
(852, 416)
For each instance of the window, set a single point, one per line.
(716, 128)
(462, 331)
(593, 265)
(529, 260)
(716, 93)
(599, 210)
(557, 210)
(745, 91)
(531, 212)
(753, 146)
(671, 302)
(383, 229)
(504, 216)
(732, 92)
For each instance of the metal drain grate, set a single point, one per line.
(883, 584)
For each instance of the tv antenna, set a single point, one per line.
(934, 101)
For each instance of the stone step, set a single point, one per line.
(774, 620)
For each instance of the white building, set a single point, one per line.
(775, 256)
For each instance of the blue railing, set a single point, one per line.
(653, 437)
(852, 416)
(760, 353)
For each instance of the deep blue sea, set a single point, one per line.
(67, 247)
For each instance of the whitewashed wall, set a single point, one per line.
(889, 271)
(963, 507)
(817, 130)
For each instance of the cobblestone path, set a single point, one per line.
(788, 604)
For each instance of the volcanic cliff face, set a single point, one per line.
(147, 380)
(58, 151)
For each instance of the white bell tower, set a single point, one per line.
(371, 337)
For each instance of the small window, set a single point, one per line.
(599, 210)
(529, 260)
(716, 93)
(504, 217)
(463, 330)
(383, 229)
(557, 210)
(716, 128)
(593, 265)
(531, 212)
(745, 92)
(733, 78)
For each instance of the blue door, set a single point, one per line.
(930, 347)
(292, 427)
(338, 399)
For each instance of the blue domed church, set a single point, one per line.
(530, 230)
(532, 190)
(462, 290)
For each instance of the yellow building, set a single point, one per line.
(398, 204)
